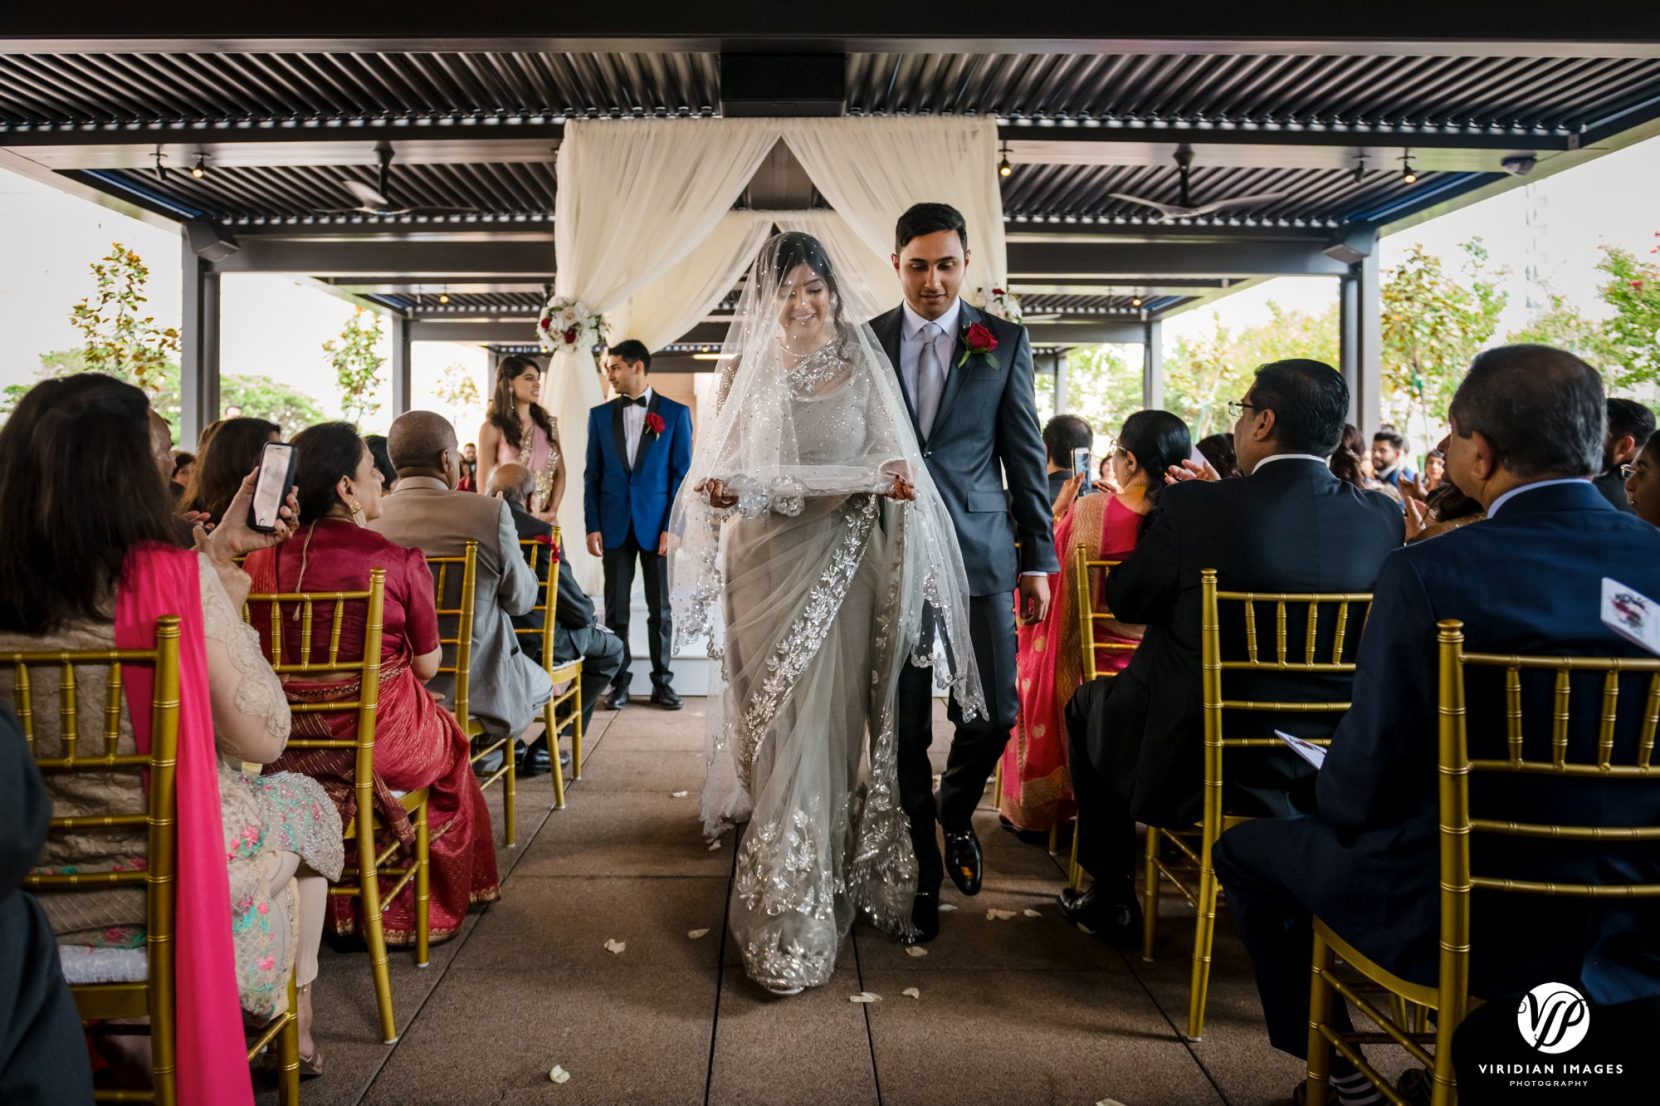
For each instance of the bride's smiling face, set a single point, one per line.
(804, 305)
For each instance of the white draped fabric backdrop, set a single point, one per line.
(645, 234)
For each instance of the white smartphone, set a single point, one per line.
(276, 476)
(1080, 466)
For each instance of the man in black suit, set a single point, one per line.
(1629, 427)
(1288, 526)
(1527, 437)
(967, 380)
(576, 632)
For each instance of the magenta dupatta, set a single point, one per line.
(212, 1055)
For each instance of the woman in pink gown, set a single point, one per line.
(1037, 791)
(519, 430)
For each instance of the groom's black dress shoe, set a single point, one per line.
(963, 860)
(1116, 923)
(925, 916)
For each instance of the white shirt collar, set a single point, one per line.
(1513, 492)
(946, 322)
(1287, 457)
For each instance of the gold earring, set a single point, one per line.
(357, 513)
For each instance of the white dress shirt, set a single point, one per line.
(910, 343)
(1291, 457)
(634, 424)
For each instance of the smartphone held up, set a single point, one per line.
(277, 466)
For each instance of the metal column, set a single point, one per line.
(199, 346)
(1058, 365)
(1152, 365)
(401, 373)
(1362, 342)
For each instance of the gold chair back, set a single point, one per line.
(544, 556)
(1089, 590)
(455, 584)
(154, 997)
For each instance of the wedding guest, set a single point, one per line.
(1630, 425)
(639, 450)
(1390, 464)
(509, 687)
(1289, 525)
(576, 632)
(184, 467)
(1350, 461)
(1642, 482)
(1036, 788)
(518, 428)
(229, 455)
(1435, 470)
(1217, 450)
(383, 462)
(1061, 435)
(417, 743)
(43, 1056)
(243, 839)
(1446, 508)
(469, 469)
(1526, 441)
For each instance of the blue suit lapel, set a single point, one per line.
(647, 438)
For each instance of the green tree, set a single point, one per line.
(1201, 374)
(1103, 386)
(1434, 323)
(357, 363)
(1632, 291)
(1566, 327)
(119, 338)
(261, 397)
(457, 390)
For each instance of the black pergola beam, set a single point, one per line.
(1068, 262)
(416, 259)
(1469, 28)
(1196, 134)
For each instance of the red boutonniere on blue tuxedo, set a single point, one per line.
(978, 339)
(654, 422)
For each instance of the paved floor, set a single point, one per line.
(1021, 1011)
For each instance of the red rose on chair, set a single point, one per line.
(978, 339)
(654, 422)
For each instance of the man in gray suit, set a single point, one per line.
(508, 688)
(967, 379)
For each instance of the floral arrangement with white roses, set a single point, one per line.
(1002, 303)
(568, 324)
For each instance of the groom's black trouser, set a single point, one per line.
(619, 589)
(974, 748)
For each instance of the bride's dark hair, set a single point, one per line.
(793, 248)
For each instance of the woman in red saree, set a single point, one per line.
(1037, 791)
(417, 742)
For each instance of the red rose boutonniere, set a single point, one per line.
(654, 422)
(978, 339)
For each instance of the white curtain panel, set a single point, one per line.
(679, 299)
(634, 198)
(868, 283)
(871, 170)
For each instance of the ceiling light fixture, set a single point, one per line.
(1360, 166)
(1004, 168)
(444, 295)
(1135, 301)
(1409, 175)
(200, 169)
(161, 170)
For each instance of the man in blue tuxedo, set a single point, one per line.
(639, 448)
(1526, 440)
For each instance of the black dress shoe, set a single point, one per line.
(616, 700)
(1116, 923)
(666, 698)
(963, 860)
(925, 916)
(1029, 837)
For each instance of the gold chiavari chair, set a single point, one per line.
(1089, 591)
(1450, 997)
(286, 611)
(1325, 651)
(540, 554)
(152, 998)
(455, 583)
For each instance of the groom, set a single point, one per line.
(967, 379)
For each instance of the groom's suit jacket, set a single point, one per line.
(986, 431)
(618, 496)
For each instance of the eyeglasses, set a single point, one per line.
(1238, 407)
(1628, 471)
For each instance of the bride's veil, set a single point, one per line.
(765, 440)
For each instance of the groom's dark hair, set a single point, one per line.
(634, 352)
(929, 219)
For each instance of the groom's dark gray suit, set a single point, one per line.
(985, 432)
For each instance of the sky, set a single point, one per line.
(1546, 234)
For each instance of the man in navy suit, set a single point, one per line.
(1527, 437)
(639, 448)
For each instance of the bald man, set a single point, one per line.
(508, 687)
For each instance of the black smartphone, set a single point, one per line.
(1080, 466)
(276, 475)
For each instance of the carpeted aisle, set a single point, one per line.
(1015, 1010)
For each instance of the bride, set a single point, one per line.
(816, 555)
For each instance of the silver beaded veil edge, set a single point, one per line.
(812, 593)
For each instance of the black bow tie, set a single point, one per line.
(637, 401)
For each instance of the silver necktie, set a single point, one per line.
(930, 379)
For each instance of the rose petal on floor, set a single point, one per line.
(915, 950)
(864, 996)
(559, 1074)
(947, 907)
(911, 992)
(678, 794)
(614, 946)
(1030, 913)
(694, 934)
(996, 915)
(1109, 1102)
(715, 844)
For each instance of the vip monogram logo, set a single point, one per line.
(1553, 1017)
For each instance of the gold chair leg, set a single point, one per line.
(510, 796)
(368, 889)
(550, 723)
(288, 1085)
(576, 739)
(1319, 1014)
(423, 886)
(1055, 837)
(997, 786)
(1204, 937)
(1150, 894)
(1074, 870)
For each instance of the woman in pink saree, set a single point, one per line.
(520, 430)
(1037, 791)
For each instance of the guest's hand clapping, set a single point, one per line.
(1188, 470)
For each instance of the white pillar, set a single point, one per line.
(1152, 365)
(199, 346)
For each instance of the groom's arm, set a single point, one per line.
(1020, 447)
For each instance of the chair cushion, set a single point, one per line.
(85, 964)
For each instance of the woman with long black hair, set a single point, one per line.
(519, 429)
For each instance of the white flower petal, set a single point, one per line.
(694, 934)
(1030, 913)
(911, 992)
(995, 915)
(864, 996)
(614, 946)
(679, 794)
(915, 950)
(948, 907)
(559, 1074)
